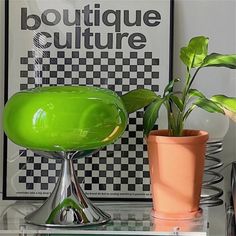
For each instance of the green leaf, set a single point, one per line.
(178, 102)
(195, 93)
(208, 105)
(187, 56)
(193, 55)
(137, 99)
(220, 60)
(228, 103)
(151, 115)
(170, 86)
(187, 113)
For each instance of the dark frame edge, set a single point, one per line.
(171, 42)
(4, 184)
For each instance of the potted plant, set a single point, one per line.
(176, 156)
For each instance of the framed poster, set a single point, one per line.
(120, 45)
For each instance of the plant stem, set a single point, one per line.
(182, 115)
(191, 81)
(178, 131)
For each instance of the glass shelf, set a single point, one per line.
(128, 218)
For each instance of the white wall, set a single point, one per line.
(217, 20)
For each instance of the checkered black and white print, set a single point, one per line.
(118, 71)
(120, 169)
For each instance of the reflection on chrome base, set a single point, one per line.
(67, 206)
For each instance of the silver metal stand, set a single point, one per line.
(211, 194)
(67, 206)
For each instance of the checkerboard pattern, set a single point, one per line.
(133, 220)
(120, 168)
(37, 173)
(113, 70)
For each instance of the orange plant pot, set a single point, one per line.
(176, 171)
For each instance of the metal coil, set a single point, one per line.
(212, 175)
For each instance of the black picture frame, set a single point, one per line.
(9, 18)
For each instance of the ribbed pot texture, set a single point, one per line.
(176, 172)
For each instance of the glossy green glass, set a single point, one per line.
(64, 118)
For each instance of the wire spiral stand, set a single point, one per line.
(210, 193)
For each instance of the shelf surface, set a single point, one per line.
(128, 218)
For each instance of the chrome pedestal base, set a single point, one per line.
(67, 206)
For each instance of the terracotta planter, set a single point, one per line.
(176, 172)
